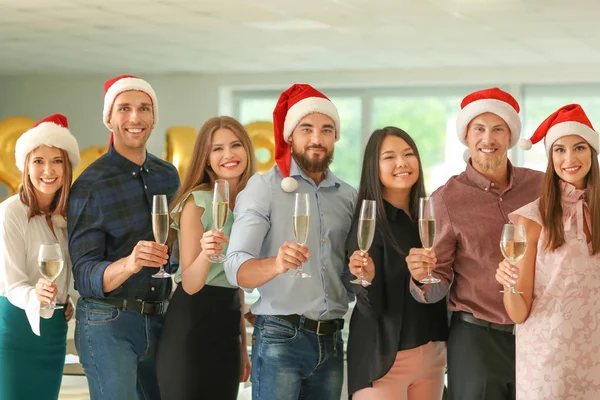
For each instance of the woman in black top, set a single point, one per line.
(396, 348)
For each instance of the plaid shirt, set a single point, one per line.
(109, 212)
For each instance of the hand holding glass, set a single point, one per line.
(427, 232)
(365, 233)
(513, 245)
(301, 226)
(220, 211)
(51, 262)
(160, 226)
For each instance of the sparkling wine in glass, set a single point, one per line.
(51, 262)
(513, 244)
(160, 226)
(220, 211)
(301, 225)
(427, 232)
(365, 233)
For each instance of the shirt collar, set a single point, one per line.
(126, 165)
(484, 183)
(392, 213)
(329, 180)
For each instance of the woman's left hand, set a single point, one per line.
(69, 309)
(246, 366)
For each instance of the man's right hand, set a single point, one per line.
(290, 256)
(146, 254)
(419, 261)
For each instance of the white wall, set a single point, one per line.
(191, 99)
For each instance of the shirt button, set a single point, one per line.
(326, 294)
(323, 268)
(145, 187)
(134, 174)
(323, 240)
(152, 288)
(322, 215)
(486, 189)
(492, 184)
(501, 199)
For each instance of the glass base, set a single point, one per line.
(511, 290)
(429, 279)
(162, 274)
(361, 281)
(217, 258)
(47, 306)
(301, 274)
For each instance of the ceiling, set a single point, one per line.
(213, 36)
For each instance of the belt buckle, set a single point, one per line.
(318, 329)
(142, 311)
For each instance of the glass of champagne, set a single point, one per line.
(301, 225)
(160, 226)
(427, 232)
(51, 262)
(365, 233)
(513, 244)
(220, 211)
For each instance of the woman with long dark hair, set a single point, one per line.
(202, 349)
(396, 348)
(33, 334)
(557, 305)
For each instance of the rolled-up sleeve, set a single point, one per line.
(445, 249)
(251, 223)
(87, 243)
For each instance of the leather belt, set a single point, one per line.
(141, 306)
(324, 327)
(468, 317)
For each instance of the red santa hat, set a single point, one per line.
(125, 83)
(567, 120)
(492, 100)
(294, 104)
(52, 131)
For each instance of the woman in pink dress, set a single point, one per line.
(558, 312)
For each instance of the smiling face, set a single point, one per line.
(45, 167)
(488, 138)
(228, 157)
(398, 165)
(572, 160)
(132, 120)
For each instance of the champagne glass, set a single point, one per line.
(160, 226)
(427, 232)
(220, 210)
(301, 225)
(365, 233)
(513, 244)
(51, 262)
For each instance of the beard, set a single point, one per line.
(488, 165)
(312, 164)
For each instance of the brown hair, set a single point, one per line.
(551, 210)
(200, 175)
(59, 202)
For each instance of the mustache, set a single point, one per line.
(316, 146)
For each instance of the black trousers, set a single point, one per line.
(198, 354)
(481, 362)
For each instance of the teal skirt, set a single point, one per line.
(31, 367)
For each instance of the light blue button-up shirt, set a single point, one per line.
(263, 218)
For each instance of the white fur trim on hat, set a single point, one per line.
(308, 106)
(498, 107)
(125, 85)
(47, 134)
(570, 128)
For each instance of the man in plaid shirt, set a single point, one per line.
(114, 255)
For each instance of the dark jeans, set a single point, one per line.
(481, 362)
(116, 349)
(290, 363)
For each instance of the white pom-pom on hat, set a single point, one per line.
(525, 144)
(289, 184)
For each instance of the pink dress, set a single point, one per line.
(558, 346)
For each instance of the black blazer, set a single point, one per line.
(387, 319)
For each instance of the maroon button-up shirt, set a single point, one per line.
(470, 212)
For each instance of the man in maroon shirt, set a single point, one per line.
(471, 209)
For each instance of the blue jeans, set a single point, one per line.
(290, 363)
(116, 349)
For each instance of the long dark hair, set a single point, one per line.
(551, 209)
(371, 187)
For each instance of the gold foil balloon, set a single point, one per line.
(10, 130)
(88, 156)
(261, 134)
(179, 147)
